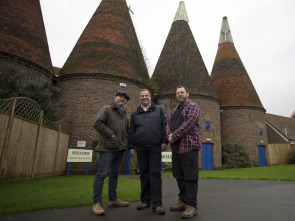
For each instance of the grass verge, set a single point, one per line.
(58, 192)
(284, 172)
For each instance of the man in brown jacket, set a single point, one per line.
(112, 124)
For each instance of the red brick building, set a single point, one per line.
(242, 113)
(107, 58)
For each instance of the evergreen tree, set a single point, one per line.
(16, 83)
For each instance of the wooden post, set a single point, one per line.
(7, 137)
(58, 140)
(36, 144)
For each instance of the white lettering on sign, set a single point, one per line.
(166, 156)
(77, 155)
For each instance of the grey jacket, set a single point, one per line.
(110, 121)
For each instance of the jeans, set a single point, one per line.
(109, 164)
(149, 163)
(185, 170)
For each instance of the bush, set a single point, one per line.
(234, 156)
(292, 155)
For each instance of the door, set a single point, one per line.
(207, 156)
(261, 155)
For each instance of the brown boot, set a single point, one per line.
(189, 212)
(159, 210)
(97, 209)
(179, 206)
(143, 206)
(118, 203)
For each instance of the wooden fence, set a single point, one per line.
(278, 154)
(30, 145)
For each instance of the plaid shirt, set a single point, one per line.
(189, 132)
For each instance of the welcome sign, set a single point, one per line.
(78, 155)
(166, 156)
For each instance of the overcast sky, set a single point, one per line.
(263, 33)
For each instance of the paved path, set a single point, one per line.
(228, 200)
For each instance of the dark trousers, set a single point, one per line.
(185, 170)
(149, 163)
(109, 164)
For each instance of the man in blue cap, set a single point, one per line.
(112, 124)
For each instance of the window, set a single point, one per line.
(260, 132)
(207, 126)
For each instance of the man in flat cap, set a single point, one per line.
(112, 124)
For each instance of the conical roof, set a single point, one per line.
(229, 76)
(180, 62)
(108, 45)
(22, 32)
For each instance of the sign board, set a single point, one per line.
(166, 156)
(78, 155)
(81, 143)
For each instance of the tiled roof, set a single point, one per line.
(22, 32)
(230, 78)
(181, 63)
(285, 125)
(108, 45)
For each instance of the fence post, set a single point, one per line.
(36, 144)
(68, 167)
(86, 170)
(58, 140)
(7, 137)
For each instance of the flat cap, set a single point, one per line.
(122, 93)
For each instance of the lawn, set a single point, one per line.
(58, 192)
(284, 172)
(75, 191)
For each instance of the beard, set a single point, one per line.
(182, 100)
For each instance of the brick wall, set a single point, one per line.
(82, 99)
(242, 125)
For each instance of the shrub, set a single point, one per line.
(292, 155)
(234, 156)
